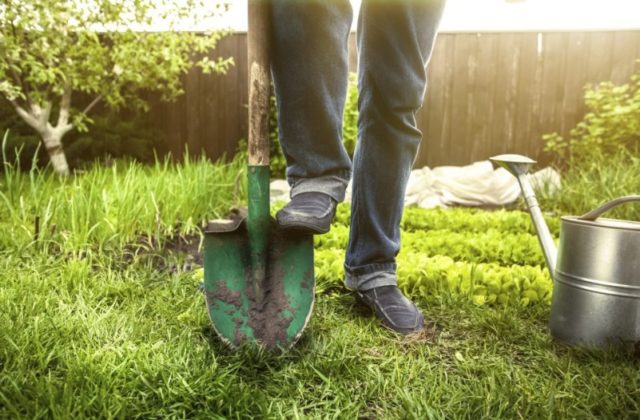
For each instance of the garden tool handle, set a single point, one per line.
(594, 214)
(259, 82)
(258, 219)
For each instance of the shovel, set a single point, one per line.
(259, 280)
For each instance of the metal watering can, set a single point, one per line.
(595, 269)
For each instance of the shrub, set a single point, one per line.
(115, 135)
(611, 124)
(601, 156)
(350, 121)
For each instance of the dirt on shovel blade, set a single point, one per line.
(271, 317)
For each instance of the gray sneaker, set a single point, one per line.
(310, 212)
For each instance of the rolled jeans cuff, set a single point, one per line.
(332, 185)
(370, 276)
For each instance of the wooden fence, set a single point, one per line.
(488, 93)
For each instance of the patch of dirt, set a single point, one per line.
(226, 295)
(427, 335)
(188, 250)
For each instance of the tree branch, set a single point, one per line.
(18, 77)
(26, 116)
(19, 81)
(44, 118)
(92, 104)
(65, 106)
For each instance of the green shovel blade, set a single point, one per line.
(278, 320)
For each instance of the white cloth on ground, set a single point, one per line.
(478, 184)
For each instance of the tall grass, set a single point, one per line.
(107, 207)
(589, 184)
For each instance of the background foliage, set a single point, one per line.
(59, 59)
(116, 134)
(600, 160)
(611, 124)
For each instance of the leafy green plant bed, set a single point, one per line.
(101, 317)
(485, 257)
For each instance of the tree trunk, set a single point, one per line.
(53, 143)
(37, 116)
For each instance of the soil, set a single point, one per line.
(188, 248)
(227, 295)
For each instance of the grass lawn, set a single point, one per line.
(90, 328)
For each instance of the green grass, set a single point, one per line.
(84, 332)
(80, 342)
(107, 207)
(589, 184)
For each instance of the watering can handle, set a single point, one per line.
(259, 82)
(594, 214)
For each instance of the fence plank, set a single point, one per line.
(483, 94)
(488, 93)
(527, 102)
(554, 50)
(599, 63)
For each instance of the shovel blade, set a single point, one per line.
(276, 316)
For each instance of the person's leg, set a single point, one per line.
(395, 40)
(310, 70)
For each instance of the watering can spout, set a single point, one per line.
(519, 166)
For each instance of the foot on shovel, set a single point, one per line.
(310, 212)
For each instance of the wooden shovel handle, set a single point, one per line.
(259, 82)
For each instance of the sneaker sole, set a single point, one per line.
(302, 227)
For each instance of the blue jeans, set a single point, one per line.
(310, 71)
